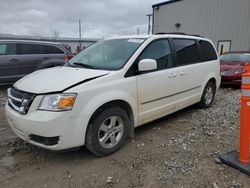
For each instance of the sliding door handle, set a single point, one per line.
(13, 60)
(182, 73)
(172, 75)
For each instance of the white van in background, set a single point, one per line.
(110, 88)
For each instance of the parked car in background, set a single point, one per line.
(110, 88)
(232, 67)
(19, 58)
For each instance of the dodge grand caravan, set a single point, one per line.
(107, 90)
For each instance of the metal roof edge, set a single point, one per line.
(165, 3)
(44, 38)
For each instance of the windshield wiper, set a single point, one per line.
(84, 65)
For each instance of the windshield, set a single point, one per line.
(108, 54)
(235, 57)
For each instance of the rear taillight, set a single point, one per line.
(67, 57)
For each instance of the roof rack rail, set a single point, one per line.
(178, 33)
(197, 36)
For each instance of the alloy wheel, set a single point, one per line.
(208, 95)
(111, 131)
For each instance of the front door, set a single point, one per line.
(156, 89)
(9, 63)
(31, 56)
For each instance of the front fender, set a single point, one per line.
(103, 98)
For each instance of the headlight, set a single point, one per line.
(57, 102)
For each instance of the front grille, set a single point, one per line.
(19, 101)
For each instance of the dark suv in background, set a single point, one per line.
(19, 58)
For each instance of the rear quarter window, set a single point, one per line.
(207, 51)
(52, 50)
(186, 51)
(58, 51)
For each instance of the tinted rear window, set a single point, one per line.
(207, 51)
(37, 49)
(29, 49)
(187, 51)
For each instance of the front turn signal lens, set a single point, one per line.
(66, 102)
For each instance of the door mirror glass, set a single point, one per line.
(147, 65)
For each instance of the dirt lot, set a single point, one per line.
(179, 150)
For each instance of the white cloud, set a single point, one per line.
(99, 18)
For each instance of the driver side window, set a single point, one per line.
(160, 51)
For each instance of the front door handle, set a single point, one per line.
(172, 75)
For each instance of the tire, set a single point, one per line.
(108, 131)
(207, 95)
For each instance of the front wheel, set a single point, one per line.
(208, 95)
(108, 131)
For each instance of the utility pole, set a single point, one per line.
(138, 31)
(80, 34)
(149, 22)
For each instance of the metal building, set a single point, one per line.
(73, 43)
(225, 22)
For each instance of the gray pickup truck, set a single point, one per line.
(20, 57)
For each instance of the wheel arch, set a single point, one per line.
(213, 80)
(117, 103)
(211, 77)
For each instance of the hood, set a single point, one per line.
(56, 79)
(225, 66)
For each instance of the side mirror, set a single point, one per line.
(147, 65)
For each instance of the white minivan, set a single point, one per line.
(110, 88)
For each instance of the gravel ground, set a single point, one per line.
(3, 96)
(180, 150)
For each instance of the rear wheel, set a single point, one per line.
(108, 131)
(208, 95)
